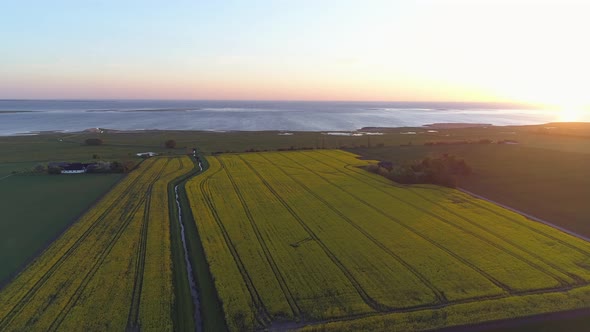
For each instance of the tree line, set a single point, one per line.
(441, 171)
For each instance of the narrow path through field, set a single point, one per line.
(7, 176)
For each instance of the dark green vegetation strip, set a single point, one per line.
(574, 320)
(36, 209)
(211, 312)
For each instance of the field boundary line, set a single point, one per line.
(531, 217)
(438, 306)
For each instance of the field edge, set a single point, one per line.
(211, 310)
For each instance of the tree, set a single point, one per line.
(54, 170)
(39, 168)
(128, 166)
(93, 141)
(116, 167)
(170, 144)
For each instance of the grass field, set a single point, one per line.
(306, 239)
(37, 208)
(521, 176)
(111, 270)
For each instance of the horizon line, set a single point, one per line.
(276, 100)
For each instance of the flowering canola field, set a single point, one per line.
(111, 270)
(309, 240)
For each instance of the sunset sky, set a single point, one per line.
(525, 51)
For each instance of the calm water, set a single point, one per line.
(21, 117)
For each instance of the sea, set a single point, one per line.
(31, 117)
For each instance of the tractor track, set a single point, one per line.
(462, 260)
(533, 265)
(577, 279)
(10, 315)
(262, 315)
(356, 284)
(437, 293)
(104, 254)
(275, 269)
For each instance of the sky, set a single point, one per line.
(470, 50)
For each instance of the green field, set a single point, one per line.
(112, 269)
(521, 176)
(306, 239)
(37, 208)
(292, 186)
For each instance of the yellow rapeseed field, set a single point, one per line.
(309, 240)
(111, 270)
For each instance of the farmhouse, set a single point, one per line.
(74, 168)
(146, 154)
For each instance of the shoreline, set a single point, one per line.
(363, 130)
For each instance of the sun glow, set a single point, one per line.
(570, 115)
(573, 113)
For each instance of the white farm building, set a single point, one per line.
(147, 154)
(75, 168)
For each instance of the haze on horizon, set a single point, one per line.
(479, 50)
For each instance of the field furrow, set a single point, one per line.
(402, 268)
(455, 282)
(97, 268)
(533, 240)
(283, 232)
(298, 239)
(294, 308)
(242, 304)
(536, 273)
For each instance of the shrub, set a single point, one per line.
(441, 171)
(170, 144)
(54, 170)
(93, 141)
(39, 168)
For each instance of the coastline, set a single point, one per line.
(32, 117)
(357, 132)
